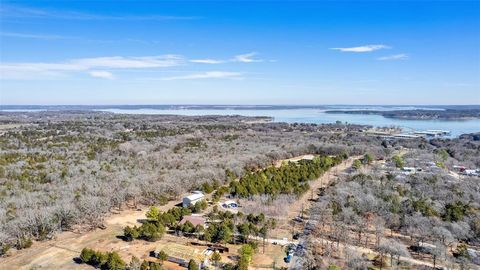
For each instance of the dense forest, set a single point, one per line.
(67, 170)
(431, 215)
(291, 178)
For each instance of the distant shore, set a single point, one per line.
(447, 114)
(374, 116)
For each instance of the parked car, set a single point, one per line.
(298, 219)
(288, 258)
(291, 247)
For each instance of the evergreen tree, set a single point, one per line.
(192, 265)
(357, 164)
(115, 262)
(162, 256)
(131, 233)
(153, 213)
(86, 255)
(216, 258)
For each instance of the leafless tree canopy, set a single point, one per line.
(63, 170)
(67, 170)
(432, 213)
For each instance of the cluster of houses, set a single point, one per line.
(420, 167)
(394, 134)
(468, 172)
(429, 167)
(181, 254)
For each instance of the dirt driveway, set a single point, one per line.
(60, 252)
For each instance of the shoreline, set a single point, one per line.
(301, 117)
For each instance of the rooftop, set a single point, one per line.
(195, 196)
(195, 220)
(181, 252)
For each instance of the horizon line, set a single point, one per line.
(236, 105)
(227, 104)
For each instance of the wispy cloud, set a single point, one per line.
(207, 61)
(240, 58)
(97, 66)
(402, 56)
(246, 58)
(33, 36)
(13, 11)
(101, 74)
(206, 75)
(48, 69)
(364, 48)
(168, 60)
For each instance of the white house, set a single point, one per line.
(192, 199)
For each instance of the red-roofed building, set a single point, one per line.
(195, 220)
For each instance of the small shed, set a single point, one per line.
(182, 254)
(219, 248)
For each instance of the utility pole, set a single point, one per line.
(293, 227)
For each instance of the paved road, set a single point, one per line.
(296, 263)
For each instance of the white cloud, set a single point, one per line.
(364, 48)
(33, 36)
(129, 62)
(402, 56)
(101, 74)
(36, 70)
(206, 75)
(241, 58)
(207, 61)
(63, 69)
(14, 11)
(246, 58)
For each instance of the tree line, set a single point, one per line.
(289, 178)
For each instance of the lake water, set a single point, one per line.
(318, 116)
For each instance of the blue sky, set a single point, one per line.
(239, 52)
